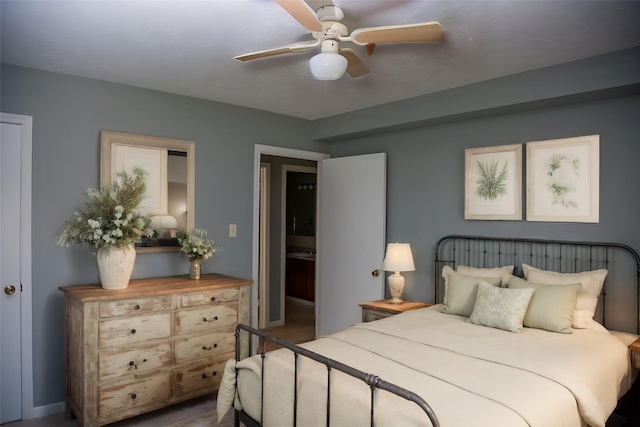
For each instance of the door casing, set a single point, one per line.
(260, 150)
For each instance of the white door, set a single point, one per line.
(16, 372)
(351, 238)
(10, 366)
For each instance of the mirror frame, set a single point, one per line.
(108, 139)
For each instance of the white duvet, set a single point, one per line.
(468, 374)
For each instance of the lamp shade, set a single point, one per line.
(328, 66)
(398, 258)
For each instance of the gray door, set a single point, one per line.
(351, 238)
(10, 330)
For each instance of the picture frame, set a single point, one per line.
(493, 183)
(563, 180)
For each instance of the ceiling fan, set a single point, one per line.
(333, 61)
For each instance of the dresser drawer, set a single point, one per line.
(218, 296)
(134, 306)
(128, 330)
(219, 345)
(151, 388)
(197, 377)
(206, 318)
(115, 364)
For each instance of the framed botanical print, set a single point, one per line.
(563, 180)
(493, 183)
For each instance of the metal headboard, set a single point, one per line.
(622, 284)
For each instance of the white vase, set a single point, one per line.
(115, 266)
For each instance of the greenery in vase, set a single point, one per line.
(196, 245)
(111, 217)
(492, 183)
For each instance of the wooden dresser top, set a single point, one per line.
(153, 286)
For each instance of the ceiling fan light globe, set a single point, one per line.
(328, 66)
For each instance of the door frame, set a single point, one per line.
(26, 319)
(259, 150)
(265, 235)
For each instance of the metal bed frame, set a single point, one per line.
(563, 256)
(374, 382)
(476, 251)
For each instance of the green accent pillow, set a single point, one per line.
(551, 307)
(587, 301)
(501, 308)
(461, 290)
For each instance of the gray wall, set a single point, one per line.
(68, 115)
(425, 179)
(424, 137)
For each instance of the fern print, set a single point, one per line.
(492, 182)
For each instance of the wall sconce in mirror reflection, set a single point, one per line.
(397, 258)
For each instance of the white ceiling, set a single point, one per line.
(187, 47)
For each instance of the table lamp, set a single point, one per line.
(397, 258)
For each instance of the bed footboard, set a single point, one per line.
(374, 382)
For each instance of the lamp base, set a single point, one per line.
(396, 286)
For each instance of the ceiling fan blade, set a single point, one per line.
(301, 13)
(355, 67)
(427, 32)
(298, 47)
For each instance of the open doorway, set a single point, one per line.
(288, 209)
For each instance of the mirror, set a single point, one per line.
(301, 204)
(170, 164)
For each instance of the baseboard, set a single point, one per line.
(46, 410)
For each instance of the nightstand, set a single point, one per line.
(376, 310)
(635, 353)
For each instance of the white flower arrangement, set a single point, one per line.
(111, 217)
(196, 245)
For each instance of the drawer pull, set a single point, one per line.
(213, 374)
(213, 319)
(133, 395)
(132, 363)
(137, 307)
(133, 331)
(213, 299)
(204, 347)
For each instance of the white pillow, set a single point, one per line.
(590, 281)
(506, 272)
(501, 308)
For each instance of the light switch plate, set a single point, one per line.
(233, 230)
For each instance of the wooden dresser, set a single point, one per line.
(158, 342)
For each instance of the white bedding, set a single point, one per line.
(468, 374)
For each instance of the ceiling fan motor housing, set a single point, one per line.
(332, 30)
(330, 13)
